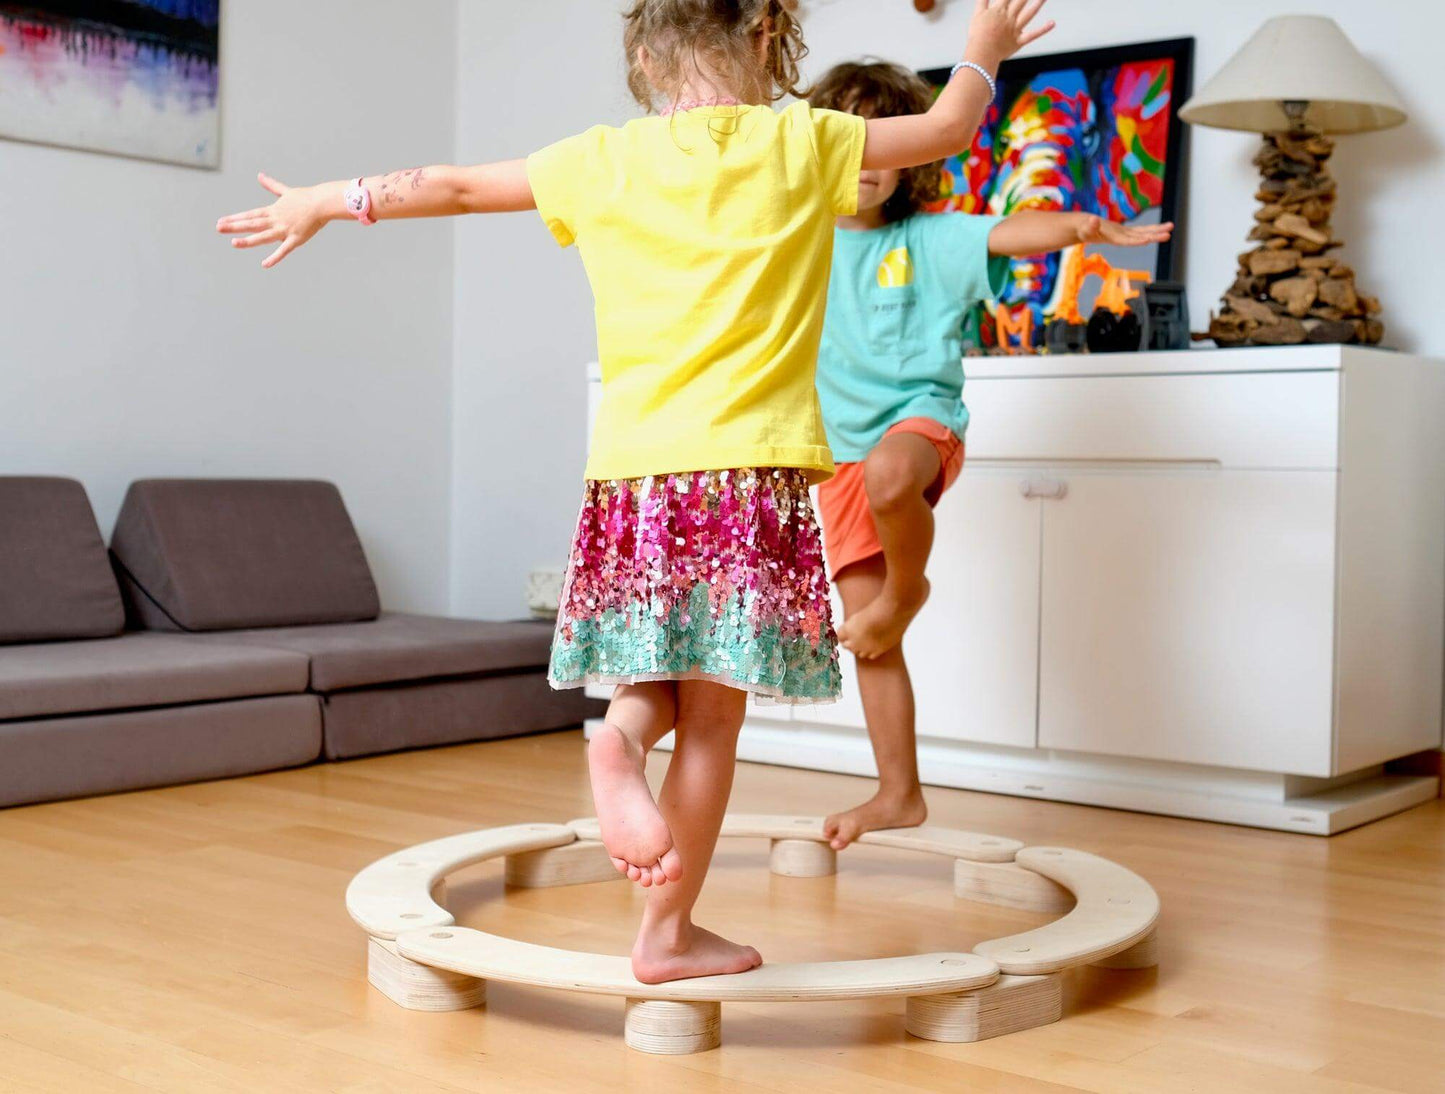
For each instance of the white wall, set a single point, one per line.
(136, 344)
(532, 73)
(529, 74)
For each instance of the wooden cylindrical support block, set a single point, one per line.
(802, 858)
(419, 987)
(1144, 954)
(571, 864)
(1011, 1004)
(668, 1028)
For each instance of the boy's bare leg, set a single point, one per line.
(896, 474)
(633, 830)
(694, 798)
(887, 695)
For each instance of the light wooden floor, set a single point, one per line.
(193, 939)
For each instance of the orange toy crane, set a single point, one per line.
(1118, 287)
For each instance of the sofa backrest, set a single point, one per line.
(222, 554)
(55, 579)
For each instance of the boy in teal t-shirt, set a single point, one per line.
(890, 381)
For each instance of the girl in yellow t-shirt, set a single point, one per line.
(696, 573)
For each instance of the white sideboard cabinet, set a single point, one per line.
(1205, 583)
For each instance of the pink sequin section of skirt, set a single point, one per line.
(712, 575)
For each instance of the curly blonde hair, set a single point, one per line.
(876, 89)
(717, 38)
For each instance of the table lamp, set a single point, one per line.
(1298, 79)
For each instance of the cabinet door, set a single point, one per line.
(973, 650)
(1189, 616)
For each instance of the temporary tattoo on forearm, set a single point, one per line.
(392, 183)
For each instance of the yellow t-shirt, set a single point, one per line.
(708, 239)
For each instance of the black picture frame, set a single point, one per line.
(1169, 256)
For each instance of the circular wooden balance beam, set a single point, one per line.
(421, 960)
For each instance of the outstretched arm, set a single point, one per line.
(999, 29)
(1036, 231)
(299, 212)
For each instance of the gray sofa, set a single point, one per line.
(257, 642)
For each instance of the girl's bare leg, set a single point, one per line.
(633, 830)
(887, 694)
(897, 473)
(693, 800)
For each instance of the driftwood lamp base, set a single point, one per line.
(1292, 287)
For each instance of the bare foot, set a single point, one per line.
(654, 961)
(880, 626)
(878, 812)
(636, 836)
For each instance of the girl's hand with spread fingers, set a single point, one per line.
(1000, 28)
(296, 215)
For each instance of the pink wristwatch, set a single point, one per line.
(358, 202)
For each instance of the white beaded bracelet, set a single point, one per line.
(992, 83)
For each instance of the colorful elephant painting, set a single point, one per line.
(1095, 132)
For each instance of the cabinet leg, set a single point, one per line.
(1144, 954)
(668, 1028)
(802, 858)
(1011, 1004)
(419, 987)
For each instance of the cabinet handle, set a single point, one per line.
(1044, 488)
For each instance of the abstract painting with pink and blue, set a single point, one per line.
(131, 77)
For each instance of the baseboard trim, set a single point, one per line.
(1430, 764)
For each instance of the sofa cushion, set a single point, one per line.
(55, 579)
(139, 670)
(444, 712)
(218, 554)
(102, 753)
(397, 647)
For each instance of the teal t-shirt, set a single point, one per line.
(892, 339)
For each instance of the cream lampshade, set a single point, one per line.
(1298, 78)
(1296, 58)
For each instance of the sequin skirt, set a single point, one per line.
(707, 575)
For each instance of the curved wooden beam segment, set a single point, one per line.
(394, 894)
(974, 846)
(489, 957)
(1115, 909)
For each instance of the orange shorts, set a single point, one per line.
(848, 532)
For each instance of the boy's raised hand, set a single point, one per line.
(1096, 229)
(291, 220)
(1000, 28)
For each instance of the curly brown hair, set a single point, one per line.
(715, 37)
(876, 89)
